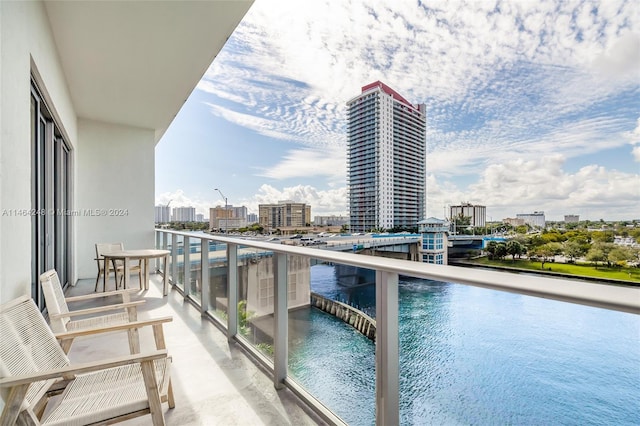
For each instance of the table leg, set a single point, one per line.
(165, 276)
(126, 272)
(146, 274)
(105, 267)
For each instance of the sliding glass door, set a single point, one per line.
(50, 197)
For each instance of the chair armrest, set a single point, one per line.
(98, 309)
(105, 294)
(81, 368)
(110, 328)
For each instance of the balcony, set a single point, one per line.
(238, 332)
(214, 380)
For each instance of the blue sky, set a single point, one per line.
(531, 105)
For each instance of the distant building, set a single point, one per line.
(330, 220)
(535, 219)
(434, 243)
(515, 222)
(199, 217)
(238, 212)
(284, 214)
(252, 218)
(386, 155)
(162, 214)
(184, 214)
(571, 218)
(477, 213)
(229, 218)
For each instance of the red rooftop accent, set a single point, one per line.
(388, 90)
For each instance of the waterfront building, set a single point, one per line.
(476, 213)
(199, 217)
(571, 218)
(162, 214)
(184, 214)
(386, 155)
(330, 220)
(535, 219)
(285, 213)
(252, 218)
(434, 242)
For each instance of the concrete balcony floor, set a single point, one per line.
(214, 381)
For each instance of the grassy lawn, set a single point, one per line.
(586, 270)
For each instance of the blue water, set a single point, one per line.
(475, 356)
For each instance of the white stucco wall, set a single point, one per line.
(115, 174)
(24, 35)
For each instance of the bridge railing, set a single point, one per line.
(232, 285)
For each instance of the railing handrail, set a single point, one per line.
(607, 296)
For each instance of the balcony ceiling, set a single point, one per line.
(135, 63)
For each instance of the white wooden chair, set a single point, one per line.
(33, 366)
(102, 248)
(68, 324)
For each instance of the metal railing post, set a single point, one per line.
(204, 276)
(186, 263)
(280, 310)
(232, 289)
(387, 350)
(174, 259)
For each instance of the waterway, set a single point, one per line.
(474, 356)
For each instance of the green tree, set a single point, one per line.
(514, 248)
(501, 250)
(573, 249)
(595, 255)
(546, 252)
(621, 255)
(491, 249)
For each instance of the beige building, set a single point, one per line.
(284, 214)
(225, 219)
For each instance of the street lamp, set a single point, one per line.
(225, 210)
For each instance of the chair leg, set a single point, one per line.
(97, 281)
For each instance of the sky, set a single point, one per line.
(531, 105)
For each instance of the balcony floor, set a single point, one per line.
(214, 381)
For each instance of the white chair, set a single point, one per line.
(33, 366)
(67, 325)
(102, 248)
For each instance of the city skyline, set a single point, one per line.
(530, 106)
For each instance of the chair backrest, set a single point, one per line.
(102, 248)
(54, 298)
(27, 344)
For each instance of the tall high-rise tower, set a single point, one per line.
(386, 157)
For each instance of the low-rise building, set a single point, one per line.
(535, 219)
(476, 213)
(284, 214)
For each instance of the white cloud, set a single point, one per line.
(513, 89)
(325, 202)
(308, 162)
(178, 198)
(543, 185)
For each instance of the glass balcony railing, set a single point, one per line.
(371, 340)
